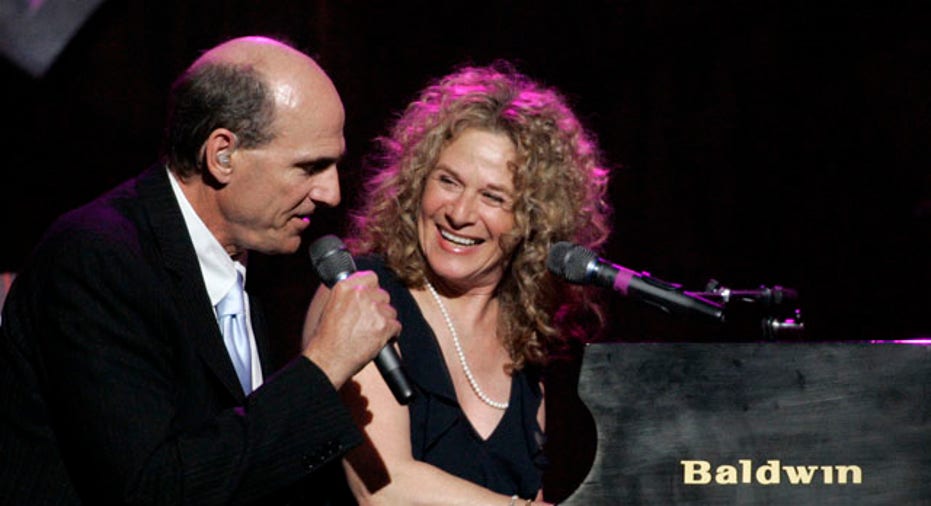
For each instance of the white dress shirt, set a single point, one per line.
(218, 269)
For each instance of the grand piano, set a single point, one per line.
(765, 423)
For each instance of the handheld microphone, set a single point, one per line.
(579, 265)
(333, 264)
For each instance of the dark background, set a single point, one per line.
(757, 143)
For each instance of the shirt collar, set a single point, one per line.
(216, 266)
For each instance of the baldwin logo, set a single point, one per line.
(699, 472)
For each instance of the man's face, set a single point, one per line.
(277, 186)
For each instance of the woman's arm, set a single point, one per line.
(383, 470)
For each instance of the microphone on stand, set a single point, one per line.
(579, 265)
(333, 264)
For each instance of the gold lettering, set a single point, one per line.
(726, 475)
(844, 471)
(768, 474)
(746, 468)
(828, 472)
(800, 475)
(696, 472)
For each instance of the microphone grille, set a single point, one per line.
(570, 261)
(331, 260)
(555, 260)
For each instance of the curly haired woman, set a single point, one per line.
(479, 177)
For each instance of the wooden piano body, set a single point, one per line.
(757, 423)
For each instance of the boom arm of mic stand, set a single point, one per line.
(775, 319)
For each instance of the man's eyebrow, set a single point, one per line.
(315, 165)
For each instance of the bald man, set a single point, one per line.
(117, 384)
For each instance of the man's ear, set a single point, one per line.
(218, 154)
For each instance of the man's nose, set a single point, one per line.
(326, 187)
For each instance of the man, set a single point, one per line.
(118, 386)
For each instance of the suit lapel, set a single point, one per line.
(260, 329)
(190, 294)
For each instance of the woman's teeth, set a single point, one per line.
(458, 240)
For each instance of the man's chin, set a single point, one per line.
(292, 246)
(284, 246)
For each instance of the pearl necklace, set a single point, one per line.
(462, 359)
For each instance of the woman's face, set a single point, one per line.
(467, 206)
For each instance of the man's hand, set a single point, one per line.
(352, 325)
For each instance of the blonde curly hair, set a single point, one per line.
(560, 187)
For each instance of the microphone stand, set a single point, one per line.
(767, 309)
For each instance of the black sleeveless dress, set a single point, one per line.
(511, 460)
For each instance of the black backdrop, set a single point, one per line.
(764, 142)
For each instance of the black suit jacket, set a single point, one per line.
(116, 387)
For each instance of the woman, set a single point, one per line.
(479, 177)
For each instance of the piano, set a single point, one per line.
(768, 423)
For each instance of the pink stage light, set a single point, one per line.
(924, 341)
